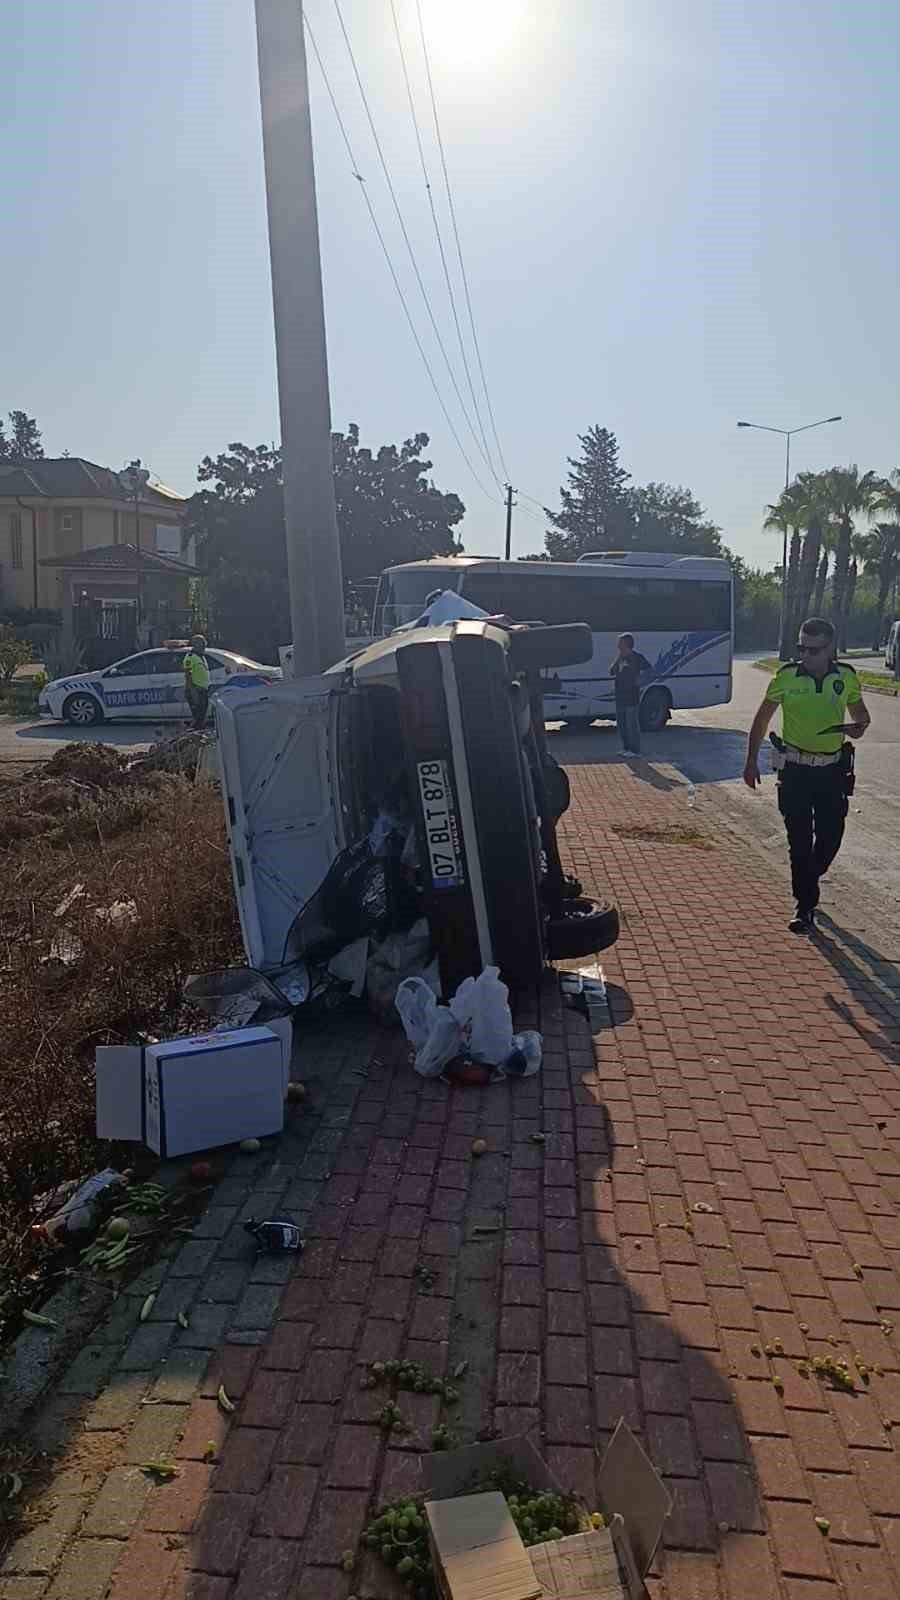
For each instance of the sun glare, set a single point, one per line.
(464, 32)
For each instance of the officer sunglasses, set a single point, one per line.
(811, 649)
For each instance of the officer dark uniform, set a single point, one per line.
(814, 763)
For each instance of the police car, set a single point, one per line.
(148, 685)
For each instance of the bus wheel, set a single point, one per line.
(656, 709)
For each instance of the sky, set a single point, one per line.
(673, 216)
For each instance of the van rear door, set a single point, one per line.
(282, 806)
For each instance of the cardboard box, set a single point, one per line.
(588, 1566)
(196, 1093)
(632, 1498)
(477, 1551)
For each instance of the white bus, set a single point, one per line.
(679, 608)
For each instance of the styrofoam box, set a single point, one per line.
(196, 1093)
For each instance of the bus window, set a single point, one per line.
(402, 594)
(524, 596)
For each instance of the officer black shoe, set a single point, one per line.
(804, 922)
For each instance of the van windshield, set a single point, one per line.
(403, 592)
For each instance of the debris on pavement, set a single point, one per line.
(275, 1234)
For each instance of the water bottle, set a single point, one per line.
(526, 1055)
(691, 797)
(80, 1213)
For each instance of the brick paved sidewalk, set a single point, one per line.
(744, 1072)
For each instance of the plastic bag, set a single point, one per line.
(481, 1007)
(431, 1029)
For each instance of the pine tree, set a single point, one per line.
(594, 508)
(24, 443)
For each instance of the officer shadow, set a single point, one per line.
(873, 981)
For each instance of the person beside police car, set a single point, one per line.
(196, 681)
(822, 708)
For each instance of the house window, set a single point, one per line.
(15, 540)
(66, 522)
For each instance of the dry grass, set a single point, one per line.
(72, 980)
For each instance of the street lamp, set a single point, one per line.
(787, 434)
(134, 479)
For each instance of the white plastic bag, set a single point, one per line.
(481, 1007)
(431, 1029)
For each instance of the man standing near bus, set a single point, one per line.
(625, 672)
(821, 705)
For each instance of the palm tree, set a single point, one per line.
(849, 492)
(880, 552)
(788, 515)
(886, 551)
(809, 486)
(826, 550)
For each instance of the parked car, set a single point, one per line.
(434, 739)
(890, 652)
(147, 685)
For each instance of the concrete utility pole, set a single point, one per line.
(510, 491)
(313, 549)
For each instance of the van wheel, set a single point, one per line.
(579, 724)
(655, 711)
(586, 927)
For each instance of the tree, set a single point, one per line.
(388, 511)
(880, 553)
(14, 653)
(600, 511)
(848, 492)
(809, 491)
(594, 512)
(667, 517)
(887, 555)
(787, 516)
(23, 442)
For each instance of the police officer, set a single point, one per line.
(196, 680)
(822, 705)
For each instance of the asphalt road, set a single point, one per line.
(707, 748)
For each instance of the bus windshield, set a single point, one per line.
(403, 592)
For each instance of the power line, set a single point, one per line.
(387, 256)
(406, 239)
(452, 208)
(440, 244)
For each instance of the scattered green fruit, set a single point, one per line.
(225, 1404)
(147, 1307)
(479, 1147)
(823, 1525)
(162, 1470)
(37, 1321)
(250, 1147)
(119, 1228)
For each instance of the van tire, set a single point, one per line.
(655, 710)
(579, 724)
(589, 926)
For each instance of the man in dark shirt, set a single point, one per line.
(625, 672)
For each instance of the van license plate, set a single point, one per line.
(441, 827)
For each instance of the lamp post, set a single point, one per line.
(134, 479)
(787, 434)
